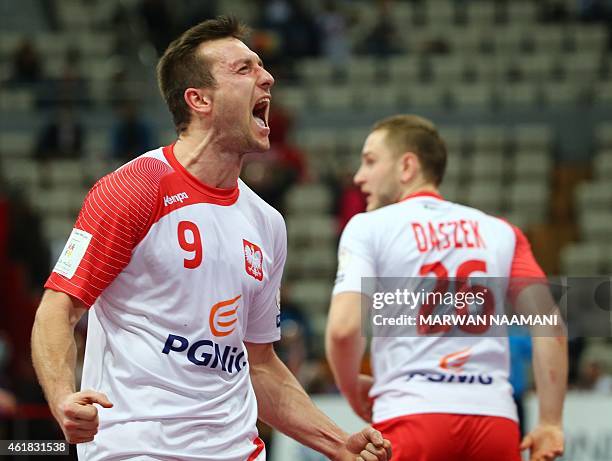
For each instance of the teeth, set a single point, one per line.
(259, 111)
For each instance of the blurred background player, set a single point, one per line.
(179, 264)
(438, 397)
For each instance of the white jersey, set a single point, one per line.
(179, 275)
(426, 236)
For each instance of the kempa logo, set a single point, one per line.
(170, 199)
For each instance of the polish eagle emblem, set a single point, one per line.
(253, 260)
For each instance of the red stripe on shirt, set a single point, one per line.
(259, 446)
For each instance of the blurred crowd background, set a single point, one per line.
(521, 91)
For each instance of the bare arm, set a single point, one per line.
(550, 367)
(54, 358)
(284, 405)
(345, 346)
(53, 346)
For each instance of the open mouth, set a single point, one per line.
(261, 111)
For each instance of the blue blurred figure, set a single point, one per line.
(520, 360)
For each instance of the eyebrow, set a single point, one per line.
(250, 60)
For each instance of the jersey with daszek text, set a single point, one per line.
(178, 276)
(425, 238)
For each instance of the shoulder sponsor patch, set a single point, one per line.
(344, 259)
(73, 253)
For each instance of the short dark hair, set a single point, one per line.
(411, 133)
(180, 67)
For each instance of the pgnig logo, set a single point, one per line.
(207, 353)
(453, 363)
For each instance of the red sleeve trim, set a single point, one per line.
(117, 212)
(524, 270)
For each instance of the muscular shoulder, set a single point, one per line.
(140, 177)
(125, 199)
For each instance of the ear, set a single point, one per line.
(410, 167)
(198, 100)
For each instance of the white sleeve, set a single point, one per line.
(355, 258)
(263, 324)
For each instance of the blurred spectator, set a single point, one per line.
(333, 24)
(24, 265)
(62, 137)
(593, 10)
(122, 24)
(8, 402)
(292, 347)
(131, 134)
(72, 84)
(70, 87)
(296, 348)
(520, 359)
(272, 174)
(49, 8)
(275, 14)
(552, 11)
(576, 347)
(193, 12)
(7, 399)
(27, 66)
(4, 231)
(28, 248)
(120, 89)
(159, 22)
(292, 21)
(268, 37)
(595, 378)
(382, 40)
(302, 35)
(350, 200)
(285, 31)
(435, 45)
(293, 314)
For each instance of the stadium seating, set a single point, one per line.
(583, 259)
(487, 166)
(596, 226)
(532, 164)
(309, 198)
(311, 295)
(531, 197)
(486, 196)
(603, 135)
(594, 196)
(603, 165)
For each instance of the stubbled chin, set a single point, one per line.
(262, 144)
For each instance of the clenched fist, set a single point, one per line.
(367, 445)
(78, 416)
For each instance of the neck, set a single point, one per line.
(418, 187)
(200, 152)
